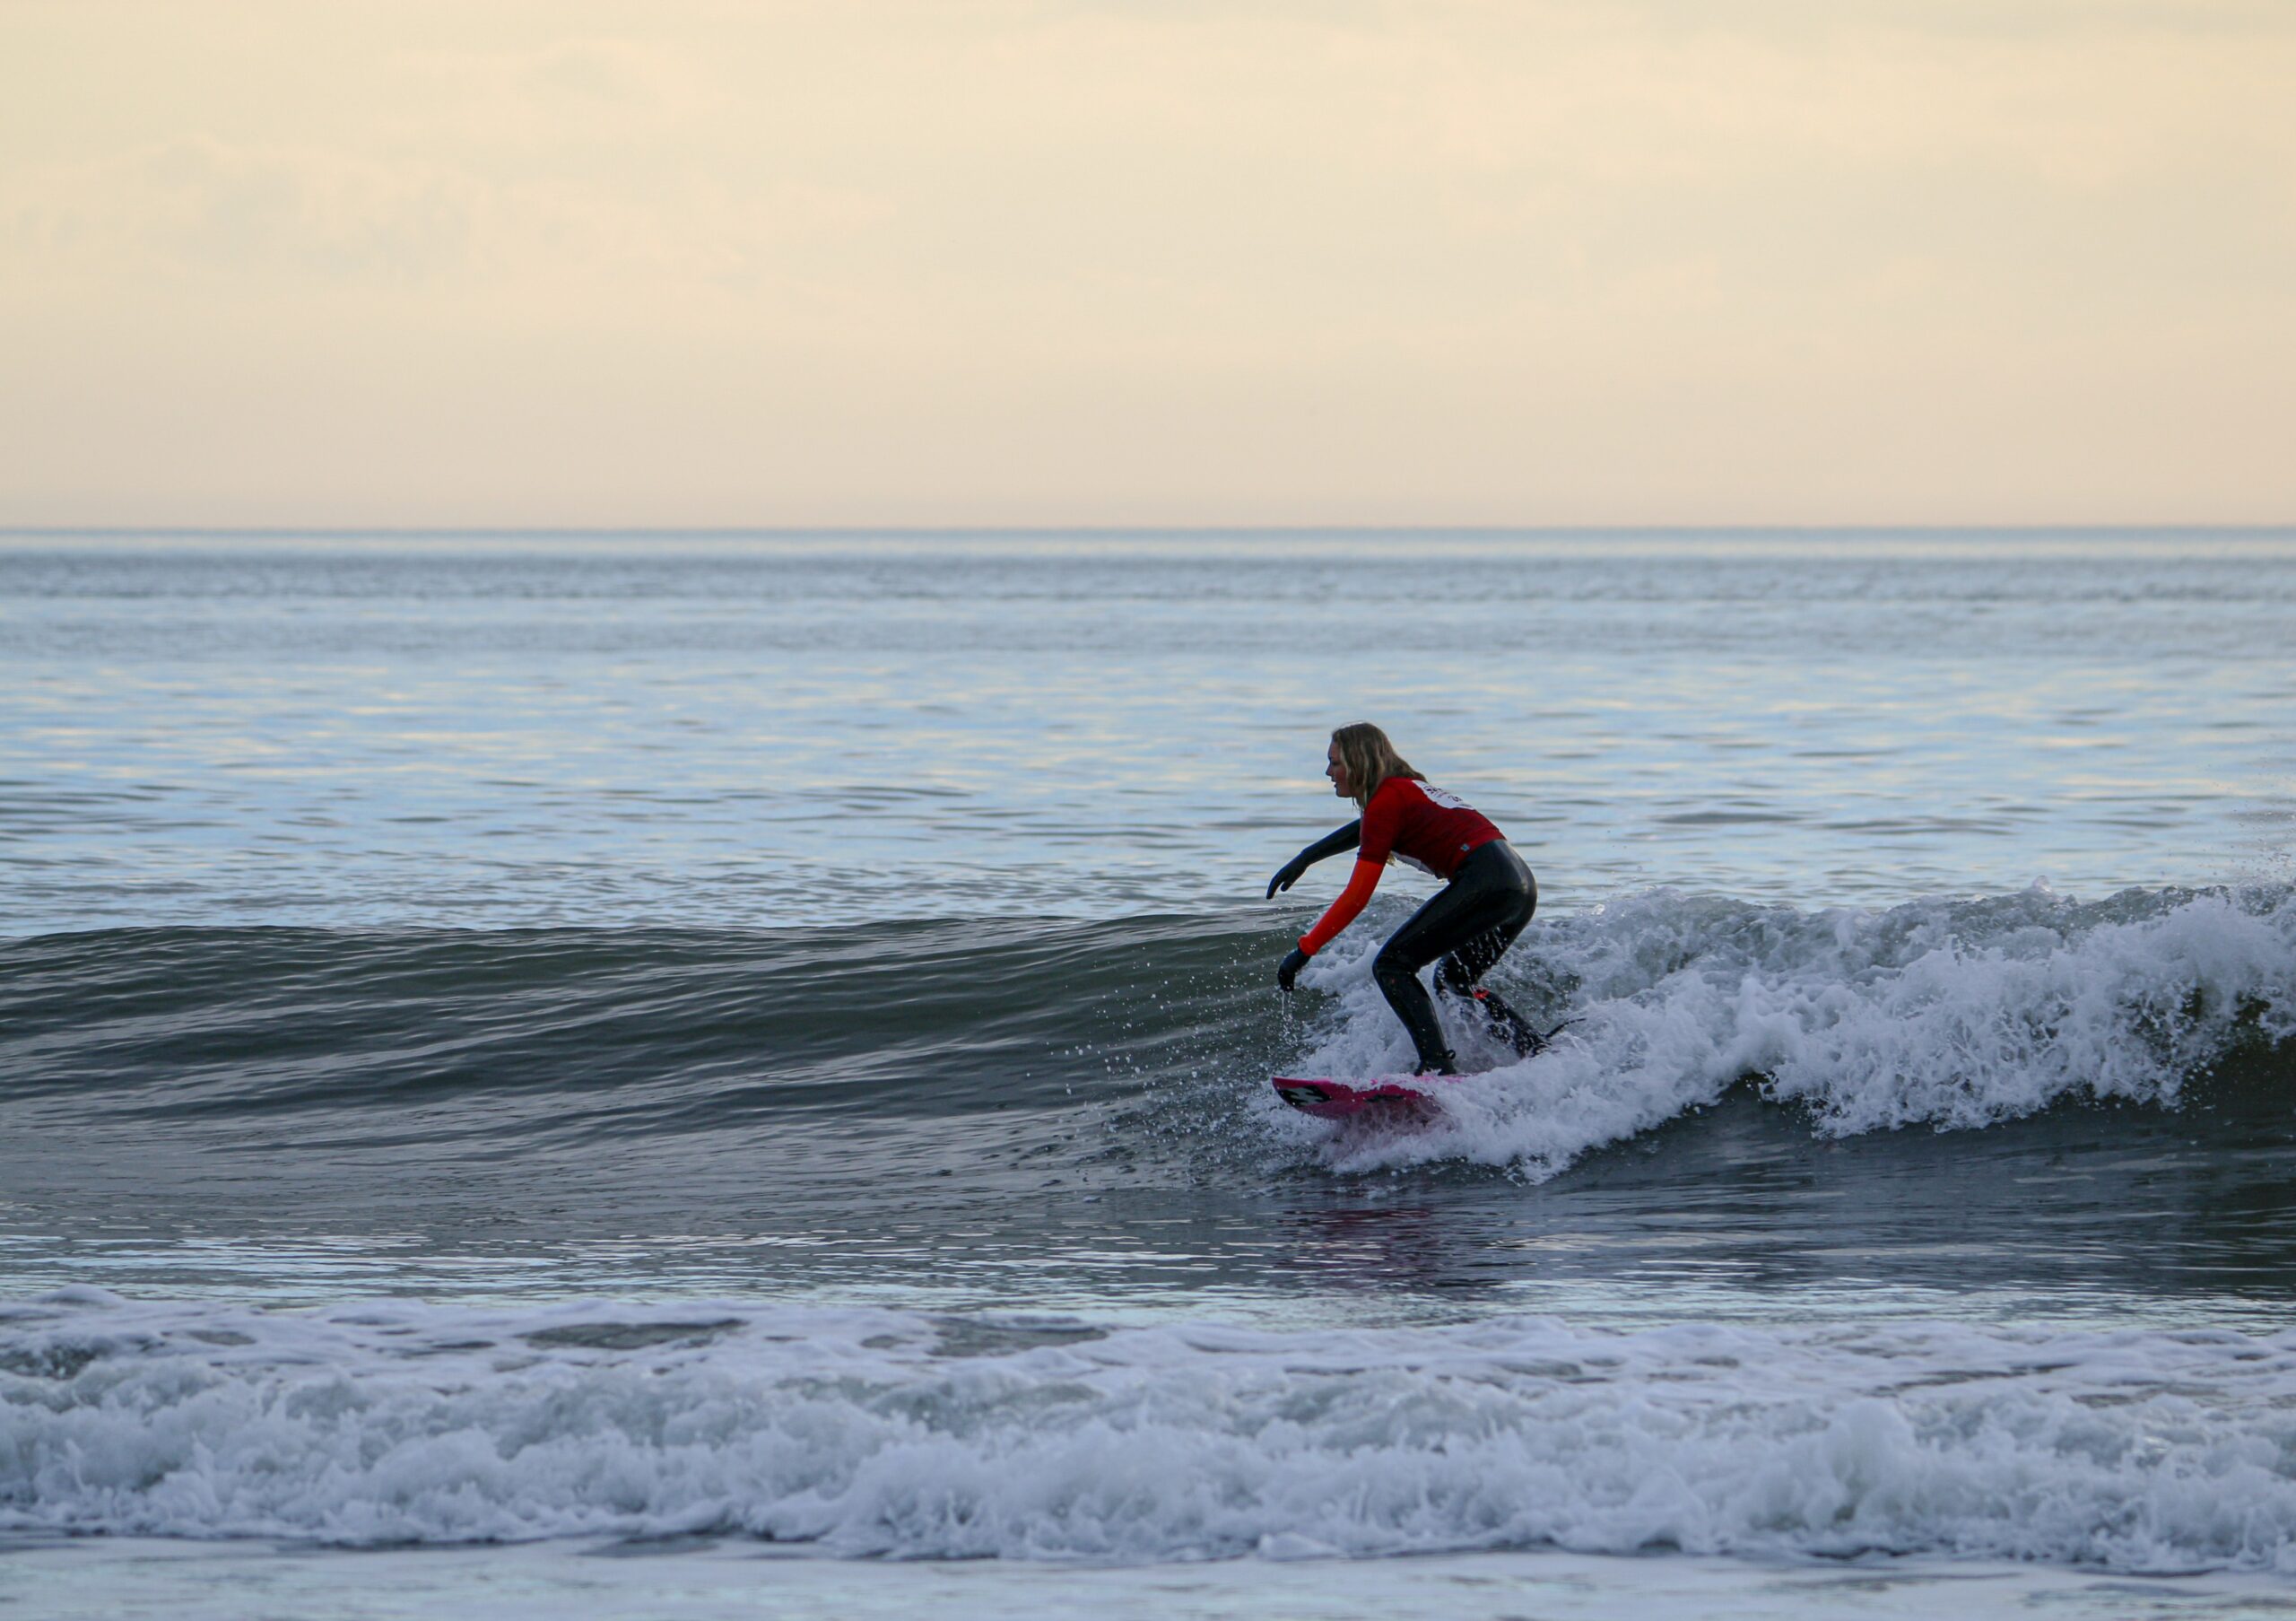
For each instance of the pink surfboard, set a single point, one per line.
(1345, 1100)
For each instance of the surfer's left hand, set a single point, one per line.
(1287, 875)
(1288, 969)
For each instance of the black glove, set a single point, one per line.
(1288, 969)
(1287, 875)
(1331, 844)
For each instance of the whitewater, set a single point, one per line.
(1938, 1014)
(549, 1074)
(875, 1432)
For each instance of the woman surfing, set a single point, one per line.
(1488, 896)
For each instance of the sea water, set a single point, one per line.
(715, 1073)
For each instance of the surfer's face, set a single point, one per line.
(1337, 771)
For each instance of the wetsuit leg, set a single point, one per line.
(1475, 917)
(1461, 974)
(1458, 975)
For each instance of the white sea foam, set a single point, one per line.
(882, 1433)
(1944, 1012)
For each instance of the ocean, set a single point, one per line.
(697, 1075)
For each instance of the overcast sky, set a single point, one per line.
(1544, 262)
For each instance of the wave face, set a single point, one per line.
(871, 1432)
(562, 1034)
(1033, 1039)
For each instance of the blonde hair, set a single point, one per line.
(1368, 759)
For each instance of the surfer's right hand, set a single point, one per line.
(1287, 875)
(1288, 969)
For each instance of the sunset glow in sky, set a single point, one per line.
(1553, 262)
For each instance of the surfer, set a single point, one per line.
(1488, 896)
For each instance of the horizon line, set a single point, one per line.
(1135, 531)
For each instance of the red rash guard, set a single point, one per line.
(1427, 827)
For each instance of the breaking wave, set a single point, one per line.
(1940, 1013)
(878, 1432)
(1949, 1014)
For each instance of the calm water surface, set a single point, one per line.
(792, 731)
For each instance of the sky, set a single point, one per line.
(1542, 262)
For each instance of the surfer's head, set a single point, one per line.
(1361, 758)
